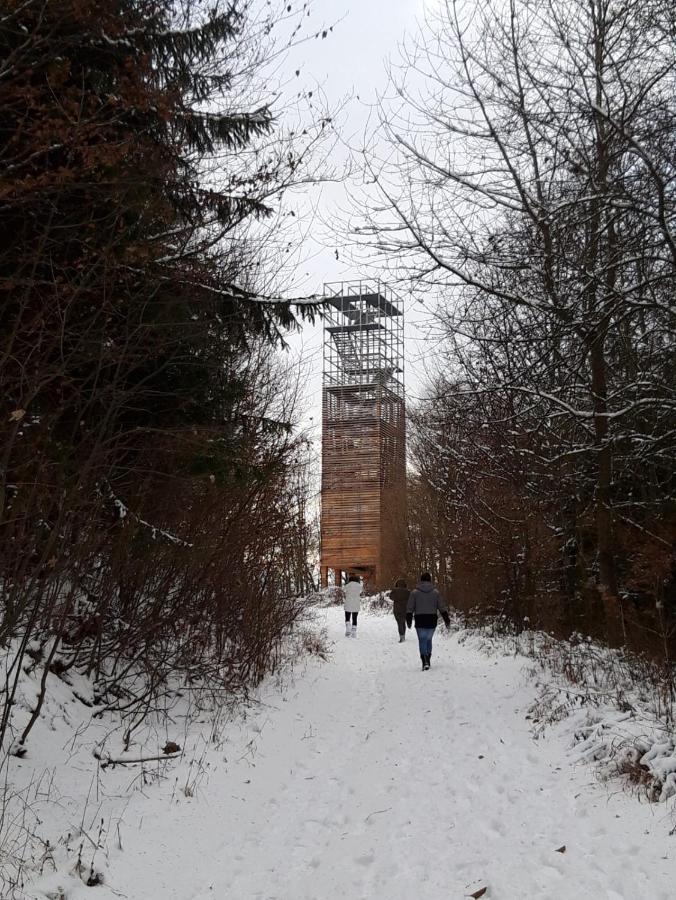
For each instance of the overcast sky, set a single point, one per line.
(349, 68)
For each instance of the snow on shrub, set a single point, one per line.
(617, 707)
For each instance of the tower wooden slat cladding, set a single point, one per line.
(363, 514)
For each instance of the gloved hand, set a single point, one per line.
(409, 619)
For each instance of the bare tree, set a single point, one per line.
(531, 186)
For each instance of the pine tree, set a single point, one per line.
(128, 315)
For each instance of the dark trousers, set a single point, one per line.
(354, 617)
(401, 624)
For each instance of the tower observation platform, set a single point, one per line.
(363, 498)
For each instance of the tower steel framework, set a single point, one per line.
(363, 513)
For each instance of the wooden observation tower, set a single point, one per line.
(363, 516)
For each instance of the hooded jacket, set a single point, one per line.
(399, 597)
(424, 604)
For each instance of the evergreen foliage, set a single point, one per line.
(135, 390)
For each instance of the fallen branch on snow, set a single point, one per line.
(107, 760)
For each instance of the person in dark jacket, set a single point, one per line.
(424, 604)
(399, 595)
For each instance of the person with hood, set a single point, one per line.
(352, 594)
(424, 604)
(399, 596)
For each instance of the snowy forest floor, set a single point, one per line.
(363, 777)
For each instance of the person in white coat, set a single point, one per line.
(352, 593)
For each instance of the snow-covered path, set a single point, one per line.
(371, 779)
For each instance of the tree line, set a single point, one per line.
(530, 189)
(153, 483)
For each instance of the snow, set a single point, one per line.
(357, 777)
(618, 741)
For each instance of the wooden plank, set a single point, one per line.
(363, 492)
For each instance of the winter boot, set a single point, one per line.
(402, 638)
(423, 659)
(354, 631)
(348, 630)
(429, 660)
(426, 663)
